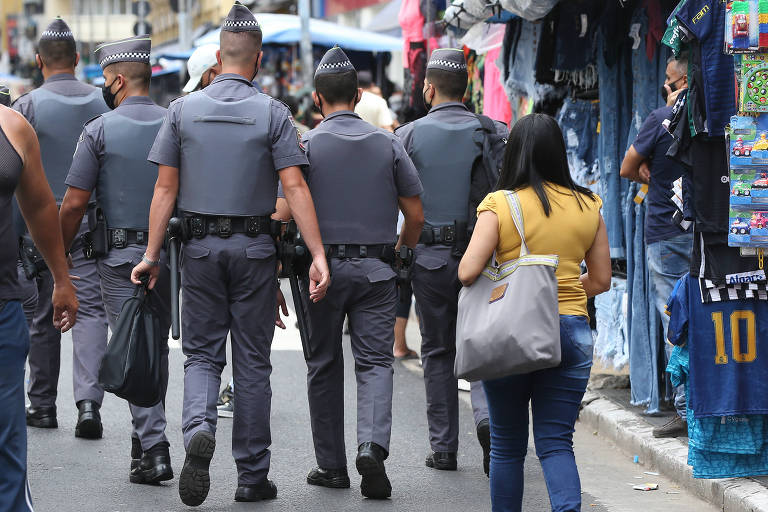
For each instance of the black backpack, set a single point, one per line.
(486, 170)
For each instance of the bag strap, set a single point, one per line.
(517, 216)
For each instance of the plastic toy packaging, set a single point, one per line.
(746, 27)
(748, 158)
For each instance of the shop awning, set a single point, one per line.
(286, 29)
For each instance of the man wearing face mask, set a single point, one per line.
(668, 246)
(57, 111)
(446, 146)
(203, 67)
(110, 160)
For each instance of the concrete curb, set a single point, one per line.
(632, 434)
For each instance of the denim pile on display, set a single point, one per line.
(612, 344)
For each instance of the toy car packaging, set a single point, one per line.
(746, 27)
(748, 227)
(748, 158)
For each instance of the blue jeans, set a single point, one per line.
(555, 395)
(578, 120)
(668, 261)
(14, 346)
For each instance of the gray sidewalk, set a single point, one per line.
(614, 419)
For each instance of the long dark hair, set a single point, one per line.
(535, 155)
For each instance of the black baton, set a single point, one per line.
(174, 241)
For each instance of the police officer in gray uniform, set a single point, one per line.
(358, 175)
(111, 158)
(57, 111)
(445, 146)
(220, 152)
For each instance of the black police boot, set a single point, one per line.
(370, 465)
(445, 461)
(332, 478)
(484, 437)
(267, 490)
(154, 467)
(88, 420)
(42, 417)
(195, 480)
(136, 452)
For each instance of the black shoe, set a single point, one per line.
(332, 478)
(88, 420)
(445, 461)
(154, 467)
(136, 452)
(266, 490)
(484, 437)
(370, 465)
(195, 481)
(42, 417)
(227, 394)
(677, 427)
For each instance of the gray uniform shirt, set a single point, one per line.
(89, 155)
(63, 83)
(451, 112)
(355, 198)
(286, 150)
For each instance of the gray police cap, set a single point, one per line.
(240, 19)
(5, 96)
(448, 59)
(133, 49)
(58, 30)
(334, 61)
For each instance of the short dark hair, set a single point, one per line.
(57, 54)
(365, 79)
(337, 87)
(135, 72)
(535, 156)
(239, 47)
(292, 103)
(448, 83)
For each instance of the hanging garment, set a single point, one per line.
(495, 102)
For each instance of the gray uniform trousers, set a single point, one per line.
(116, 287)
(230, 287)
(364, 290)
(89, 336)
(436, 287)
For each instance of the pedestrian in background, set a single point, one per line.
(560, 218)
(202, 66)
(21, 173)
(669, 247)
(372, 107)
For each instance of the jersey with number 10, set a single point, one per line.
(728, 351)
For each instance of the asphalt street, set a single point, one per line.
(69, 474)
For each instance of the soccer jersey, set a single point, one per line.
(728, 353)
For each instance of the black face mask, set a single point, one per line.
(427, 104)
(109, 96)
(672, 87)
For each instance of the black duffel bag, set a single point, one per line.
(131, 365)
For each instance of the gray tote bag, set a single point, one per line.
(508, 321)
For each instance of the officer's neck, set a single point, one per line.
(134, 93)
(244, 71)
(48, 73)
(338, 107)
(439, 99)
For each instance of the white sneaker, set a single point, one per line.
(464, 385)
(226, 410)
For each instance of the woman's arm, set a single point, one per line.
(598, 259)
(484, 240)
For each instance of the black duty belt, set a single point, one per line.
(122, 238)
(200, 226)
(356, 251)
(432, 235)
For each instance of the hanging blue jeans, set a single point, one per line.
(14, 346)
(555, 395)
(668, 261)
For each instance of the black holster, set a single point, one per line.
(461, 238)
(96, 239)
(31, 260)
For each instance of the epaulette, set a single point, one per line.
(91, 120)
(14, 102)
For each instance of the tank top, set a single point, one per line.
(10, 172)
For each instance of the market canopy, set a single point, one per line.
(286, 29)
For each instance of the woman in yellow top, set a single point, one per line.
(560, 218)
